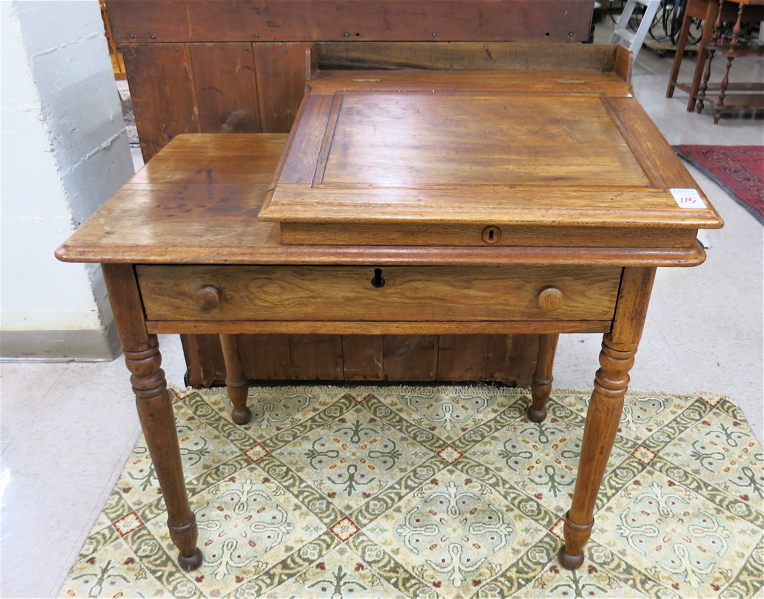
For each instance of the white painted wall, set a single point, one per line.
(64, 152)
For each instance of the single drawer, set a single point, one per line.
(378, 293)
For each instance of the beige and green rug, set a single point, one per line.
(445, 492)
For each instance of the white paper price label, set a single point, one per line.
(688, 198)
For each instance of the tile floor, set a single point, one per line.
(67, 429)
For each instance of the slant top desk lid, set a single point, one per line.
(395, 148)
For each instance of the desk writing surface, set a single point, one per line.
(466, 139)
(541, 149)
(198, 201)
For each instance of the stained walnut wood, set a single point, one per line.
(325, 293)
(158, 21)
(229, 67)
(481, 56)
(207, 298)
(550, 299)
(708, 12)
(236, 382)
(619, 347)
(154, 270)
(198, 202)
(429, 149)
(542, 377)
(475, 235)
(183, 79)
(203, 194)
(280, 83)
(155, 411)
(304, 328)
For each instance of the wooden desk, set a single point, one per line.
(183, 251)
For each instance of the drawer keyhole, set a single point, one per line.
(491, 235)
(377, 281)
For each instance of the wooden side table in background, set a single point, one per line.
(743, 95)
(708, 12)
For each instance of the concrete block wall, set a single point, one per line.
(64, 152)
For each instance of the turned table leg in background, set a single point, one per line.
(684, 32)
(541, 386)
(235, 381)
(154, 408)
(705, 38)
(611, 381)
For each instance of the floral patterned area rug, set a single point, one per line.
(437, 492)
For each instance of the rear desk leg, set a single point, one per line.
(154, 408)
(235, 381)
(541, 386)
(611, 381)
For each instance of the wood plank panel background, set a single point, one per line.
(509, 359)
(343, 20)
(220, 66)
(225, 87)
(162, 90)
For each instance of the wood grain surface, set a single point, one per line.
(162, 93)
(587, 80)
(198, 203)
(327, 293)
(388, 148)
(281, 83)
(268, 357)
(518, 155)
(226, 85)
(367, 327)
(540, 21)
(203, 92)
(469, 56)
(440, 234)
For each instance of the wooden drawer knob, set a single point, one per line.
(550, 298)
(207, 297)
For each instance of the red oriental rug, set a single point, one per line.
(739, 170)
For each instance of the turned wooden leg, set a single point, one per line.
(611, 381)
(684, 32)
(158, 423)
(154, 408)
(704, 84)
(541, 386)
(235, 381)
(705, 38)
(738, 24)
(723, 91)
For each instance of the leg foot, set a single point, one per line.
(536, 415)
(241, 416)
(571, 562)
(191, 563)
(576, 535)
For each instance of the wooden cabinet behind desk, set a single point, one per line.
(209, 66)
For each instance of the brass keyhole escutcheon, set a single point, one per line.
(377, 281)
(491, 234)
